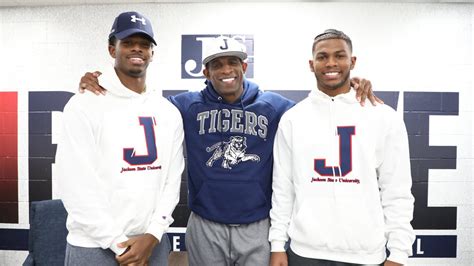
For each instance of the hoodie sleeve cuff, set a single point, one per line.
(115, 248)
(156, 230)
(278, 246)
(398, 256)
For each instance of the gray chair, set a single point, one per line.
(47, 236)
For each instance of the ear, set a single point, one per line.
(353, 62)
(311, 65)
(206, 73)
(152, 54)
(244, 66)
(112, 51)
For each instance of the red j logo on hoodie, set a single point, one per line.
(345, 155)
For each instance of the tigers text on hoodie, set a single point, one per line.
(118, 165)
(341, 182)
(229, 152)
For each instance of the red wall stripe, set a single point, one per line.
(8, 157)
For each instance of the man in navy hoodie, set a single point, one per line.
(229, 130)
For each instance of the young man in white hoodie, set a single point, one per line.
(341, 174)
(120, 159)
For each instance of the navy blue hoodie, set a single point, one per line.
(229, 152)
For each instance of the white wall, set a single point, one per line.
(400, 47)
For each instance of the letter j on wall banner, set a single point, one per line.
(191, 53)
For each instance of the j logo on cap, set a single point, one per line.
(222, 46)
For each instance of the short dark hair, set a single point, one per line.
(112, 40)
(332, 34)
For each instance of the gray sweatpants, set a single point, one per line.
(211, 243)
(79, 256)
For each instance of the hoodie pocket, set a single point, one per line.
(231, 201)
(132, 208)
(346, 224)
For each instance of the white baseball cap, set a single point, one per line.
(223, 46)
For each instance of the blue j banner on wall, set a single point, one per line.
(191, 53)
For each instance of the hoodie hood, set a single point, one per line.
(248, 96)
(110, 81)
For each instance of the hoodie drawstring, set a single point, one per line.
(244, 121)
(220, 121)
